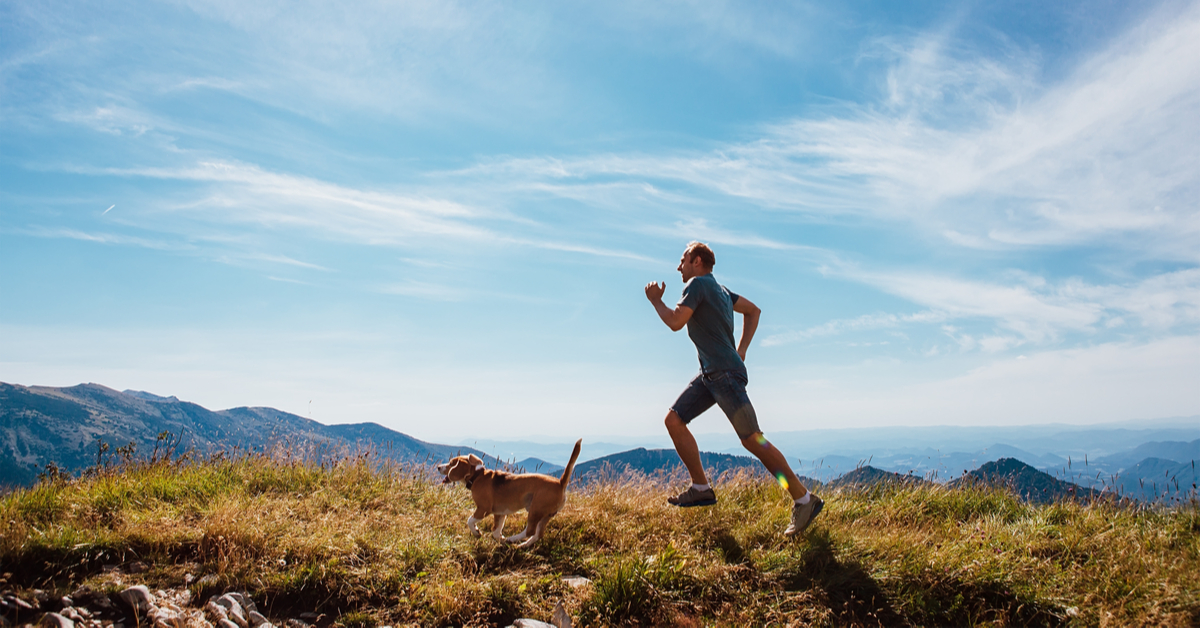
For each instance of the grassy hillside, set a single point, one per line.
(389, 546)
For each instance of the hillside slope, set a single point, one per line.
(69, 426)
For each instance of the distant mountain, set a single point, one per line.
(1177, 451)
(651, 461)
(41, 424)
(1156, 479)
(1026, 481)
(870, 476)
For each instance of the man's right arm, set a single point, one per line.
(676, 318)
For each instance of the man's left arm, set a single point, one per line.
(750, 314)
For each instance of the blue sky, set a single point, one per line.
(439, 216)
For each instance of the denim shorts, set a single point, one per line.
(724, 388)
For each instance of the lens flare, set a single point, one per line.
(762, 440)
(782, 480)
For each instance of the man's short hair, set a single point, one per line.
(701, 250)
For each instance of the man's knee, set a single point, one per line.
(755, 442)
(674, 421)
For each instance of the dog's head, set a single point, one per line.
(458, 468)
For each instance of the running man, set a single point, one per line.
(707, 310)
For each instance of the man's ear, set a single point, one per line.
(475, 460)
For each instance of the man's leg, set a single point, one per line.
(807, 506)
(686, 447)
(775, 462)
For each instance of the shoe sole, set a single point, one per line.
(816, 511)
(701, 502)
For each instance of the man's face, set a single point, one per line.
(689, 268)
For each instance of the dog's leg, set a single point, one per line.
(471, 521)
(537, 526)
(498, 529)
(518, 537)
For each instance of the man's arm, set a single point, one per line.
(676, 318)
(750, 313)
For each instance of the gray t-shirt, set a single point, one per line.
(711, 325)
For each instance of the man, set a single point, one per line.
(707, 310)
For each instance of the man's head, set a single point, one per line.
(697, 260)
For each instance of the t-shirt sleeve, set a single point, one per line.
(692, 296)
(733, 296)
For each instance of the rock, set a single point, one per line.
(54, 620)
(576, 581)
(138, 598)
(234, 610)
(137, 567)
(560, 618)
(215, 611)
(244, 600)
(17, 603)
(296, 623)
(530, 623)
(256, 619)
(225, 623)
(66, 602)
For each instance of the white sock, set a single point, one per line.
(700, 487)
(804, 500)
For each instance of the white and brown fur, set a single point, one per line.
(500, 494)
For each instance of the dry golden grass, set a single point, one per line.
(389, 546)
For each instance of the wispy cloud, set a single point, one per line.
(1033, 309)
(860, 323)
(104, 238)
(1106, 155)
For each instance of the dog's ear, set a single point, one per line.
(475, 460)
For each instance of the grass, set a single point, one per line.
(386, 545)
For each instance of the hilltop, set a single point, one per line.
(354, 544)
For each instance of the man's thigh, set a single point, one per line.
(693, 401)
(728, 389)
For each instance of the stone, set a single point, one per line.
(256, 619)
(54, 620)
(215, 611)
(530, 623)
(138, 598)
(576, 581)
(164, 618)
(235, 611)
(66, 602)
(225, 623)
(296, 623)
(17, 603)
(137, 567)
(244, 600)
(560, 618)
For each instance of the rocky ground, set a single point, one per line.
(138, 606)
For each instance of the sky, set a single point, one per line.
(440, 216)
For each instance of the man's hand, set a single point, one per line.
(654, 291)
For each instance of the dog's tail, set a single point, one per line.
(566, 476)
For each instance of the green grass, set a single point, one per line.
(389, 546)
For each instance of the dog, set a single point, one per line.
(500, 494)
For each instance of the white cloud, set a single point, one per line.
(969, 147)
(1105, 382)
(861, 323)
(1032, 308)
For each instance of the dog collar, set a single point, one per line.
(471, 478)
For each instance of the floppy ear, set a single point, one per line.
(475, 460)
